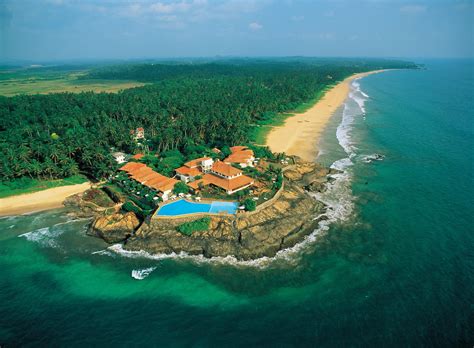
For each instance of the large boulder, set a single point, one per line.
(115, 227)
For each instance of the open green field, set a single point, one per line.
(44, 81)
(28, 185)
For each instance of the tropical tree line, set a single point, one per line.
(59, 135)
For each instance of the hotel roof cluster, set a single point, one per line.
(148, 177)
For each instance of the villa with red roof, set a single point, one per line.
(240, 155)
(218, 174)
(138, 133)
(194, 168)
(143, 174)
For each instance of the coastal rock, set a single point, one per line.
(80, 205)
(264, 232)
(287, 220)
(316, 186)
(115, 227)
(248, 236)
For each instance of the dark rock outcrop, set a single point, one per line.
(115, 227)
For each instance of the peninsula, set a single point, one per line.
(185, 163)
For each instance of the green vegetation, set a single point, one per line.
(250, 204)
(180, 187)
(28, 185)
(188, 228)
(184, 110)
(166, 163)
(98, 197)
(114, 193)
(131, 207)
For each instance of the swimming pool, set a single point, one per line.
(183, 207)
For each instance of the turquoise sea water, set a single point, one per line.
(396, 269)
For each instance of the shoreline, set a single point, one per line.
(301, 133)
(41, 200)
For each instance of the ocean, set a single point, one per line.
(393, 266)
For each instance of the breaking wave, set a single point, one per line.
(44, 236)
(140, 274)
(47, 236)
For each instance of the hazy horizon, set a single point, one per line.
(52, 30)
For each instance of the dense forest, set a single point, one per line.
(212, 104)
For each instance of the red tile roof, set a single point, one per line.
(240, 154)
(237, 148)
(225, 169)
(130, 166)
(228, 184)
(195, 184)
(138, 156)
(144, 174)
(188, 171)
(196, 162)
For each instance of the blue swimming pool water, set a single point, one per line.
(220, 207)
(183, 207)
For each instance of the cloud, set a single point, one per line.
(255, 26)
(413, 9)
(297, 18)
(163, 8)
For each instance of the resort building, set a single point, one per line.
(119, 157)
(218, 174)
(138, 133)
(241, 155)
(138, 156)
(148, 177)
(190, 170)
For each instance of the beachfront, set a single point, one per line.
(301, 133)
(38, 201)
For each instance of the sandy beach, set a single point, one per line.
(301, 133)
(41, 200)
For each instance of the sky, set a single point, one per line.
(39, 30)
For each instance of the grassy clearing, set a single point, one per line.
(28, 185)
(14, 83)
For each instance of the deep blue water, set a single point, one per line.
(396, 270)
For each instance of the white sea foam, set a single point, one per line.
(44, 236)
(47, 236)
(373, 157)
(337, 197)
(140, 274)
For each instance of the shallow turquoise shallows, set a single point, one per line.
(183, 207)
(398, 272)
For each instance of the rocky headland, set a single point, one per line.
(277, 224)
